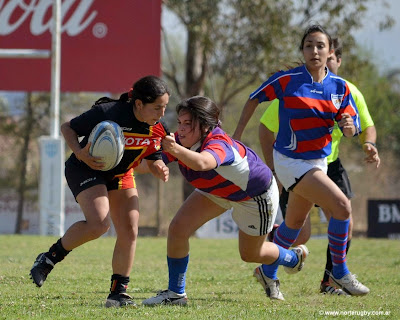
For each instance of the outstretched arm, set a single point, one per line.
(202, 161)
(159, 169)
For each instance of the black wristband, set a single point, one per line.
(371, 143)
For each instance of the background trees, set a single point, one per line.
(227, 47)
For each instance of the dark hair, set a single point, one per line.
(203, 110)
(146, 89)
(337, 45)
(312, 29)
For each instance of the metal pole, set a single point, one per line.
(55, 70)
(24, 53)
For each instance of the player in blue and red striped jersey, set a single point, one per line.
(226, 174)
(311, 99)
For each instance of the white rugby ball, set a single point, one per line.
(108, 142)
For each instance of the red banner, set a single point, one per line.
(106, 45)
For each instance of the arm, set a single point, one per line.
(247, 112)
(368, 136)
(81, 154)
(158, 169)
(368, 140)
(202, 161)
(347, 125)
(267, 139)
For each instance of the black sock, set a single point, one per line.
(119, 284)
(329, 266)
(57, 252)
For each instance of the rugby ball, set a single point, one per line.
(108, 142)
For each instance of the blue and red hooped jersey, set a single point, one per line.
(307, 110)
(240, 173)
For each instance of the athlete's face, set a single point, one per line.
(316, 50)
(189, 133)
(151, 112)
(334, 63)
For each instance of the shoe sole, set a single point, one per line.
(116, 304)
(39, 285)
(178, 302)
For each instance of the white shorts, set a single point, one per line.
(255, 216)
(289, 170)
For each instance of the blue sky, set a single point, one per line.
(385, 45)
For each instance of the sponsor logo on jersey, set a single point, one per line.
(337, 100)
(316, 91)
(87, 181)
(142, 142)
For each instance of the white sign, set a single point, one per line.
(222, 227)
(51, 186)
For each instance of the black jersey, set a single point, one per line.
(142, 141)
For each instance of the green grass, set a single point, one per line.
(219, 284)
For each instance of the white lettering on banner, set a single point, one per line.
(38, 8)
(388, 213)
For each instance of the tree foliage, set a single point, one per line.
(235, 43)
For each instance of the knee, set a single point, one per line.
(177, 230)
(343, 210)
(98, 229)
(248, 257)
(129, 234)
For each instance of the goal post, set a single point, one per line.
(51, 185)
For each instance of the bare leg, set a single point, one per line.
(125, 216)
(95, 207)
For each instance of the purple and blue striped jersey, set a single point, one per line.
(307, 110)
(240, 173)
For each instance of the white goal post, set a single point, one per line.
(51, 189)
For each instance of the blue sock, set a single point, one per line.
(177, 268)
(337, 236)
(286, 258)
(285, 236)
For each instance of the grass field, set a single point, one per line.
(219, 284)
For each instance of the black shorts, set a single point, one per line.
(80, 177)
(338, 175)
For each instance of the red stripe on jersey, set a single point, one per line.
(284, 81)
(310, 123)
(309, 103)
(242, 150)
(205, 183)
(270, 92)
(219, 150)
(348, 109)
(312, 145)
(225, 192)
(157, 130)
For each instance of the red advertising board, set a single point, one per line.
(106, 45)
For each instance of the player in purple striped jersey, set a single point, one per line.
(311, 99)
(226, 174)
